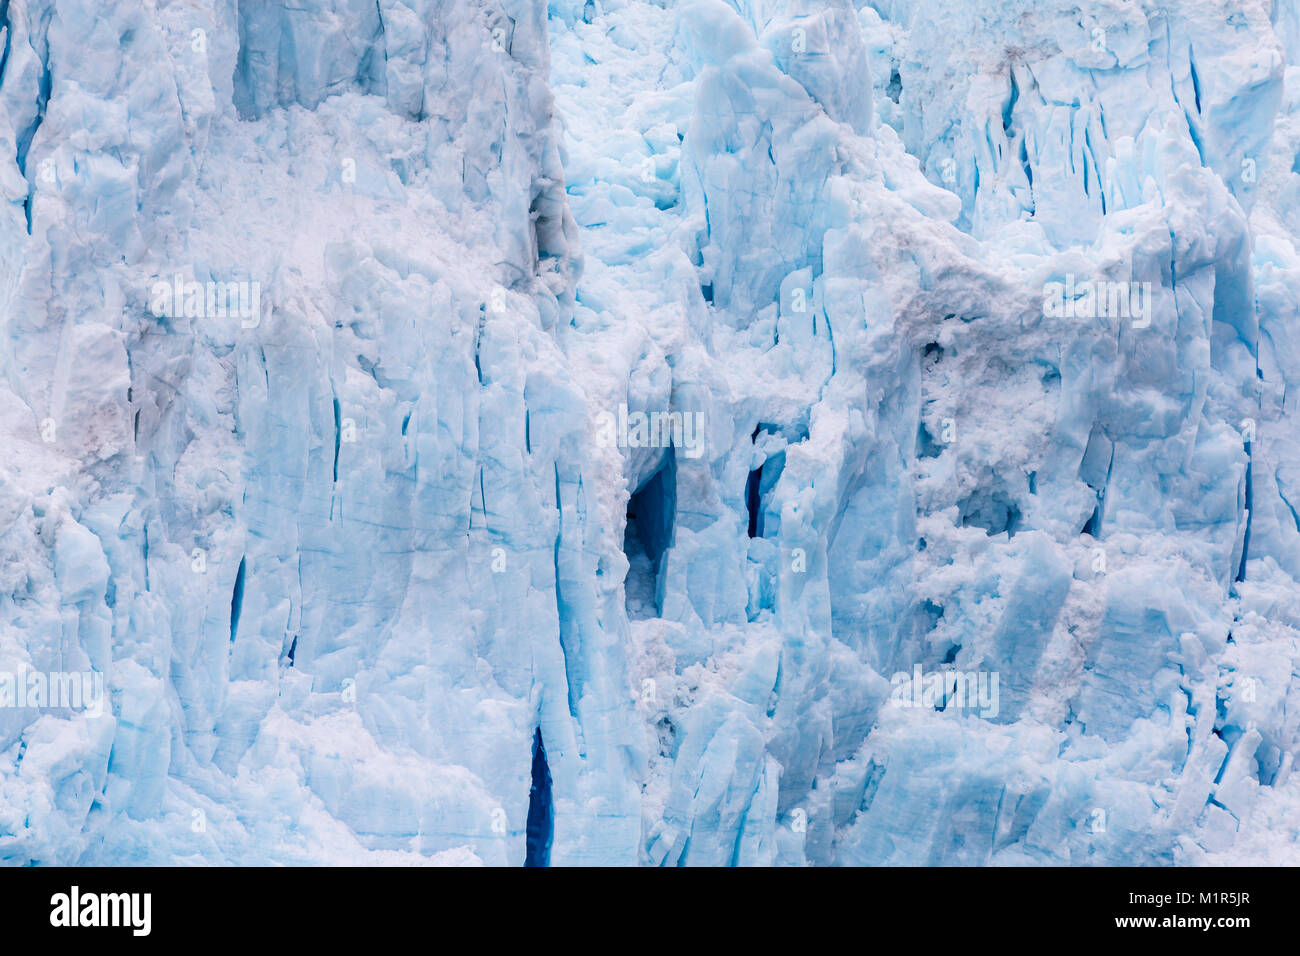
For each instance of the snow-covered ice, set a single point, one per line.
(695, 432)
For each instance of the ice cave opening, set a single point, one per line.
(762, 480)
(648, 535)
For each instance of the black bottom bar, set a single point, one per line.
(331, 907)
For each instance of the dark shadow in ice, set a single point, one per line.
(541, 813)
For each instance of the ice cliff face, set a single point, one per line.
(344, 342)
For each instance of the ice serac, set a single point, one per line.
(366, 582)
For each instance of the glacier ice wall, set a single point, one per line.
(364, 583)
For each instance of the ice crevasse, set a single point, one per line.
(340, 344)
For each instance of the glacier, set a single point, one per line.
(414, 412)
